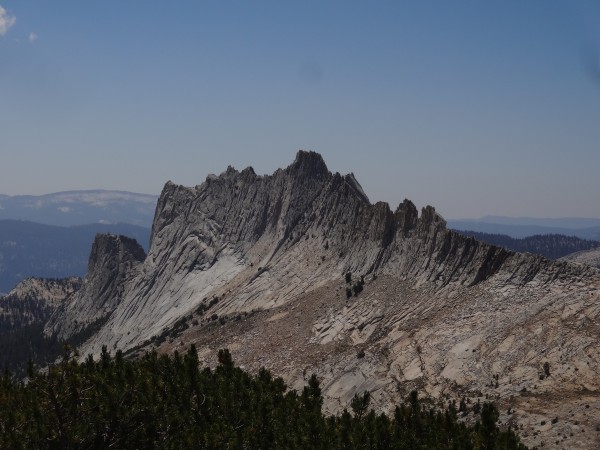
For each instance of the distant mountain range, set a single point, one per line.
(584, 228)
(560, 222)
(51, 235)
(81, 208)
(33, 249)
(551, 246)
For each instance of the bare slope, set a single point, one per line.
(588, 257)
(476, 343)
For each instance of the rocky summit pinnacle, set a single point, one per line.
(299, 272)
(309, 164)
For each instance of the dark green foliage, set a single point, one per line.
(203, 307)
(17, 312)
(353, 288)
(160, 402)
(27, 343)
(22, 333)
(552, 246)
(547, 368)
(487, 429)
(360, 404)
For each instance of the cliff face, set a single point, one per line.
(248, 234)
(259, 241)
(267, 255)
(113, 262)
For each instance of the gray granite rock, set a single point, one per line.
(439, 312)
(112, 263)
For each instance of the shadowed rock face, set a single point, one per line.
(445, 314)
(113, 261)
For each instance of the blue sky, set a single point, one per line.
(474, 107)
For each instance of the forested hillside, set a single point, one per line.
(552, 246)
(171, 403)
(23, 314)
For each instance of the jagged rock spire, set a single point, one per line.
(309, 164)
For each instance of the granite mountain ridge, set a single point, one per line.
(277, 260)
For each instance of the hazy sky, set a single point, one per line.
(474, 107)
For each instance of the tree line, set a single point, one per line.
(551, 246)
(170, 402)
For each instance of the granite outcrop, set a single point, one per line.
(299, 272)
